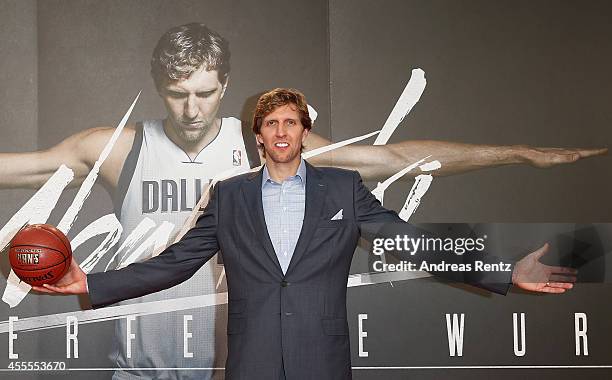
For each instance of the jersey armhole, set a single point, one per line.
(127, 171)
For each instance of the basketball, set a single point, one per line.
(40, 254)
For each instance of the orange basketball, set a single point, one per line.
(40, 254)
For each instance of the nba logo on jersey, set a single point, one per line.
(237, 157)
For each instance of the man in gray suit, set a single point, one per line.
(287, 234)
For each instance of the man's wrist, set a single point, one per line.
(518, 154)
(514, 275)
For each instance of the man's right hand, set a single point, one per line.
(73, 282)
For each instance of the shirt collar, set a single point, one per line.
(300, 175)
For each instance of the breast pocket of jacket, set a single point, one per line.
(340, 223)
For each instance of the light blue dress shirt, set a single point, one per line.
(283, 206)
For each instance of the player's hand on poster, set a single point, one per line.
(530, 274)
(73, 282)
(541, 157)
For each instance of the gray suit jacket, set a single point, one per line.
(296, 321)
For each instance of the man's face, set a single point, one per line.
(282, 134)
(193, 103)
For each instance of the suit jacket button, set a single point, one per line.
(284, 284)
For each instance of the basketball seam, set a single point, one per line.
(39, 246)
(69, 249)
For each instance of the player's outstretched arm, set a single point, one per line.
(79, 152)
(530, 274)
(382, 161)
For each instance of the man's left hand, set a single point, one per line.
(530, 274)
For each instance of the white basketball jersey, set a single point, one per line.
(165, 187)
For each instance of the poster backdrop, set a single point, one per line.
(497, 73)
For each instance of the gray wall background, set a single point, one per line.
(498, 73)
(519, 72)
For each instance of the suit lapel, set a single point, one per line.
(316, 190)
(251, 190)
